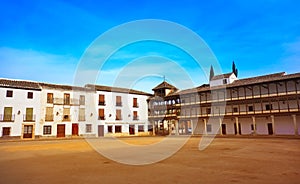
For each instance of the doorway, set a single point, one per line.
(75, 129)
(270, 129)
(100, 130)
(131, 130)
(28, 131)
(60, 131)
(223, 129)
(5, 131)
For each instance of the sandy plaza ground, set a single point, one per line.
(226, 160)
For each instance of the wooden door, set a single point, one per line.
(74, 129)
(28, 129)
(100, 130)
(224, 129)
(7, 114)
(270, 129)
(60, 131)
(5, 131)
(131, 129)
(240, 129)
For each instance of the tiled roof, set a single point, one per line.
(63, 87)
(222, 76)
(21, 84)
(116, 89)
(243, 82)
(164, 85)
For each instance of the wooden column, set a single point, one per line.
(176, 128)
(273, 124)
(205, 128)
(237, 125)
(220, 121)
(254, 125)
(192, 127)
(295, 124)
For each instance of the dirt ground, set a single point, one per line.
(226, 160)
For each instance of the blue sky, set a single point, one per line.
(45, 40)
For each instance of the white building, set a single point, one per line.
(120, 111)
(19, 108)
(65, 111)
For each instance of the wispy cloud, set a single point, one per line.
(35, 65)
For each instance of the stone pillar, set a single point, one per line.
(237, 126)
(220, 121)
(176, 128)
(295, 124)
(273, 124)
(254, 125)
(205, 128)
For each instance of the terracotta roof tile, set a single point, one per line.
(116, 89)
(164, 85)
(11, 83)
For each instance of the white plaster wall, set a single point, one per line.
(245, 125)
(284, 125)
(261, 125)
(19, 102)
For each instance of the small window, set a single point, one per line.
(250, 108)
(66, 99)
(47, 130)
(118, 114)
(101, 100)
(224, 81)
(110, 129)
(269, 107)
(49, 97)
(118, 129)
(135, 104)
(208, 128)
(30, 95)
(9, 93)
(141, 128)
(88, 128)
(235, 109)
(82, 100)
(118, 101)
(208, 111)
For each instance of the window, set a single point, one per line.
(66, 114)
(66, 99)
(82, 100)
(269, 107)
(141, 128)
(208, 128)
(118, 114)
(7, 114)
(47, 130)
(135, 115)
(101, 115)
(30, 95)
(101, 100)
(135, 104)
(81, 114)
(6, 131)
(49, 114)
(118, 129)
(235, 109)
(250, 108)
(224, 81)
(208, 111)
(49, 97)
(88, 128)
(9, 93)
(109, 129)
(29, 115)
(118, 101)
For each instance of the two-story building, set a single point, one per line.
(263, 105)
(19, 108)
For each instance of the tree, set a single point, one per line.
(234, 69)
(211, 73)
